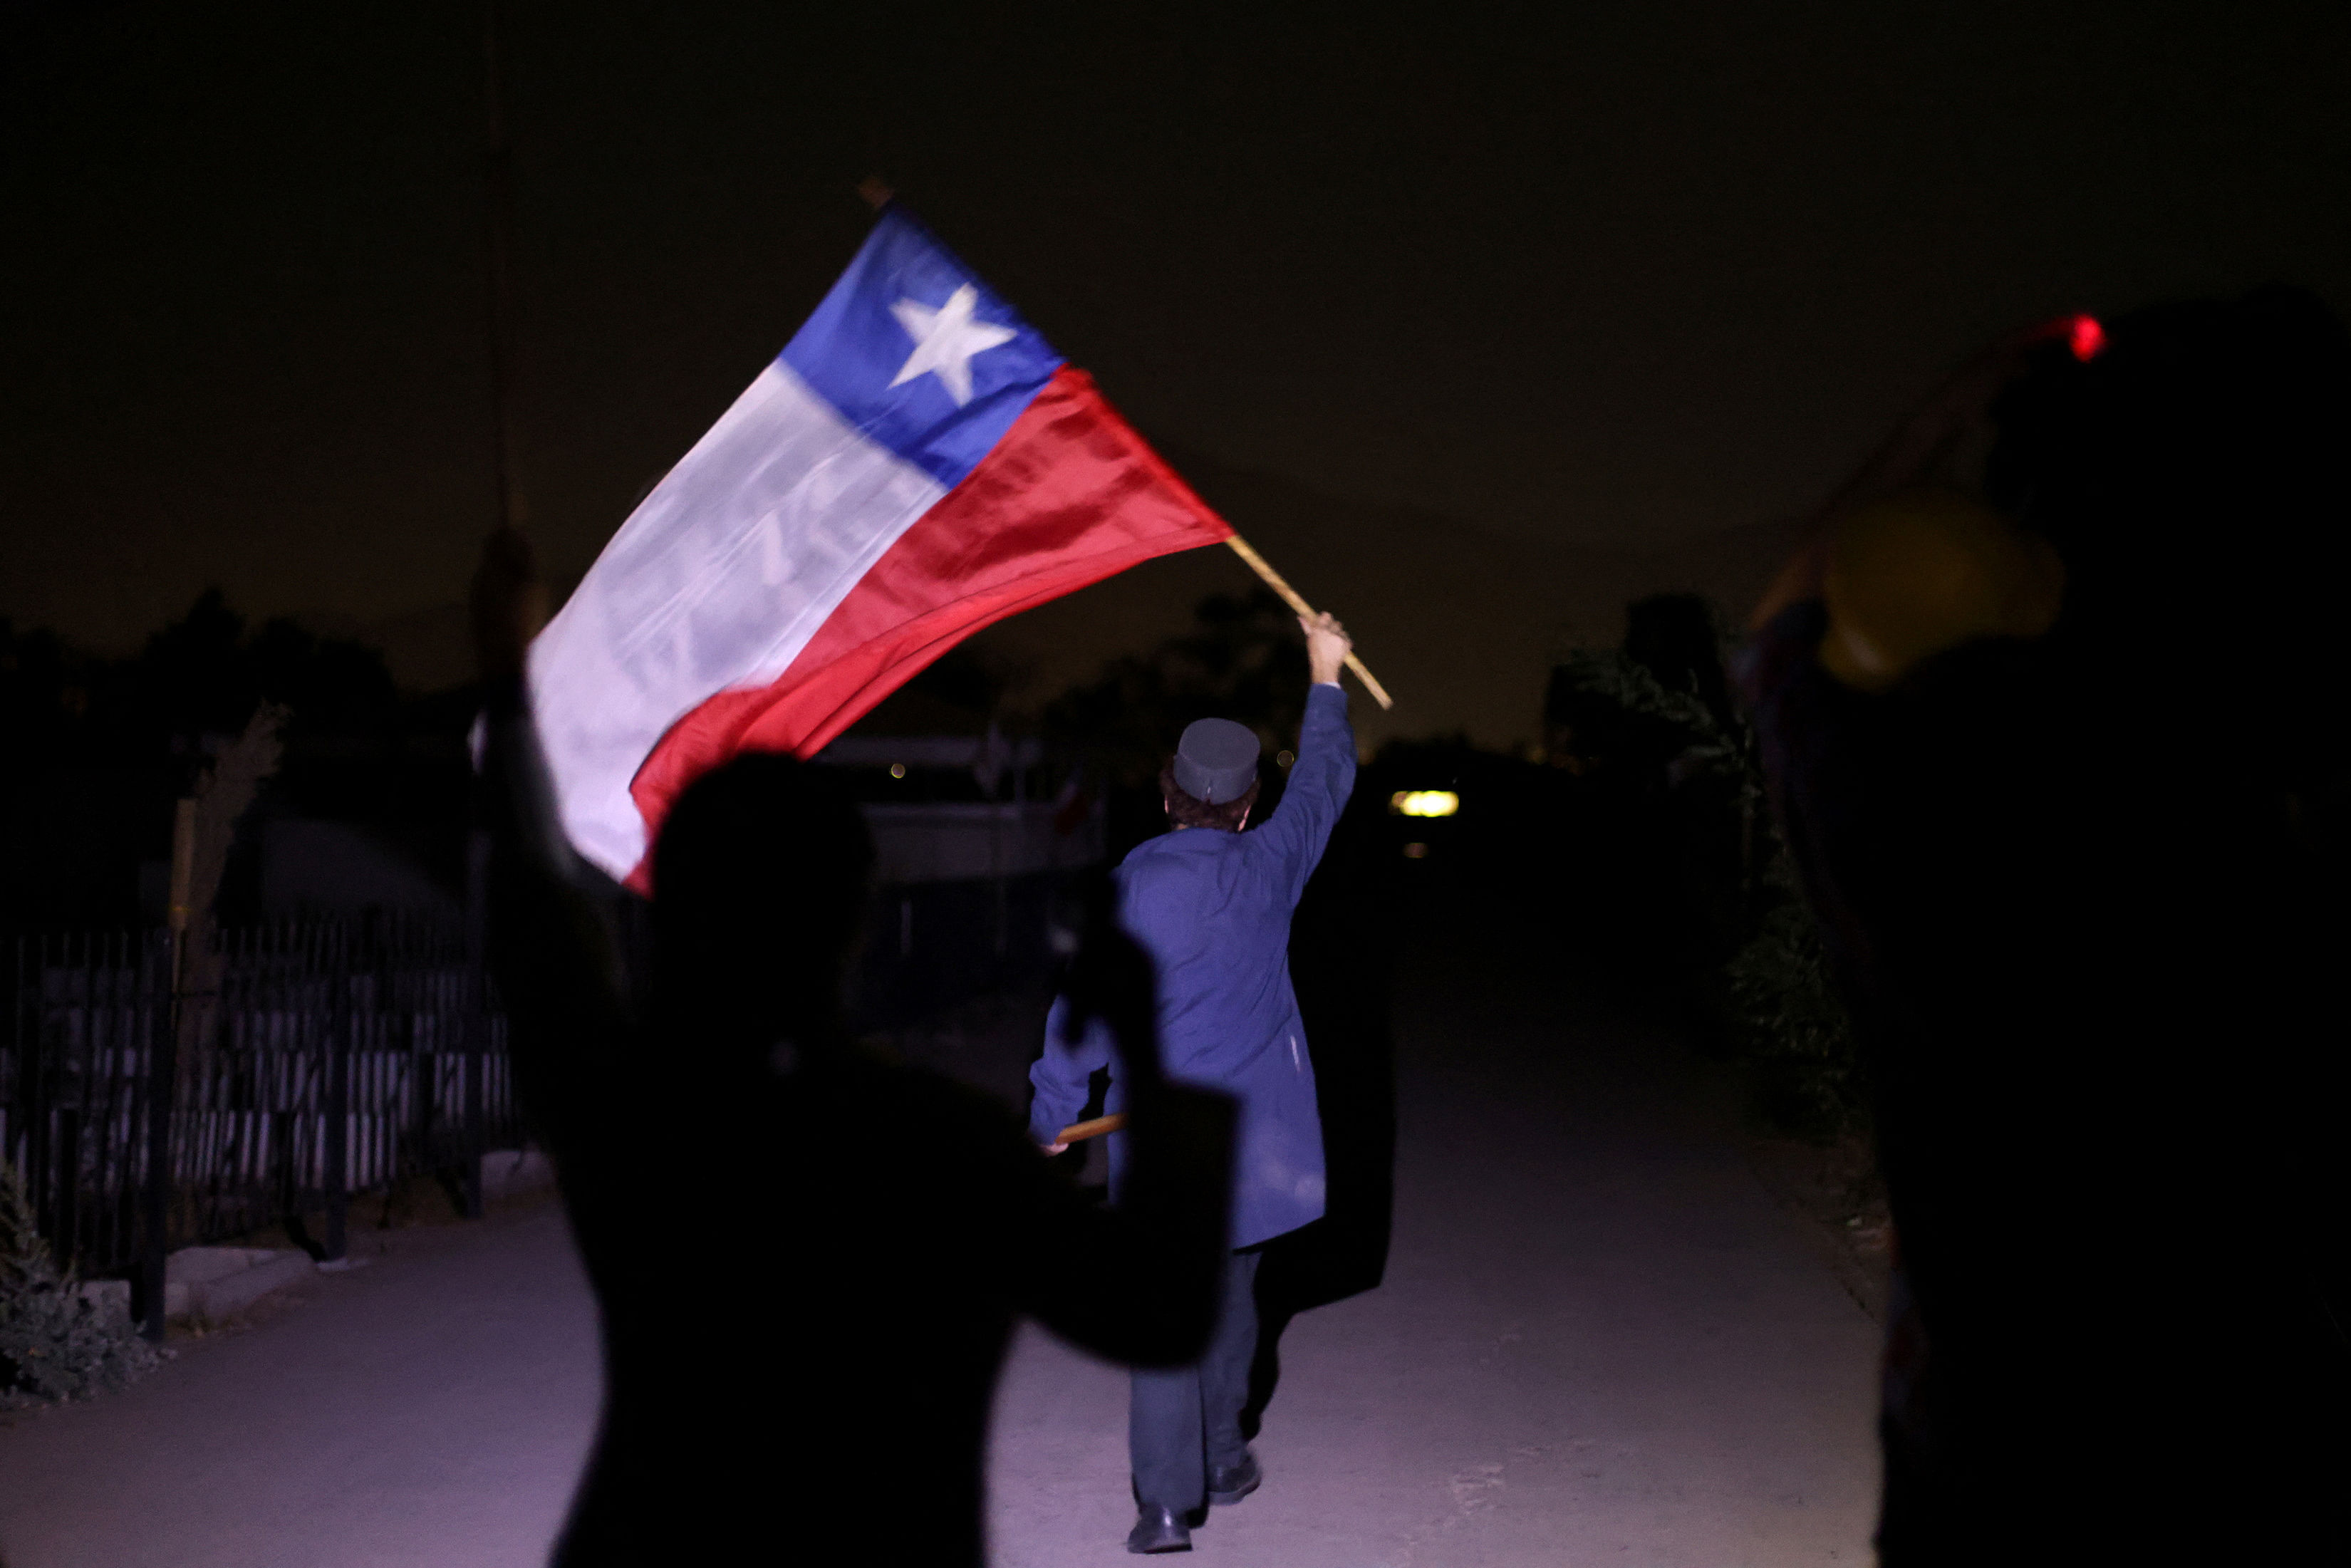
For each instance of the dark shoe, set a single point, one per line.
(1193, 1518)
(1159, 1530)
(1230, 1484)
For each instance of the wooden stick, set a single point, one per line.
(1291, 597)
(1079, 1132)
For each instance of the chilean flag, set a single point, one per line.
(916, 464)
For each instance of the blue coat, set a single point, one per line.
(1213, 910)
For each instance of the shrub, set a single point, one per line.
(56, 1343)
(1788, 1021)
(1798, 1034)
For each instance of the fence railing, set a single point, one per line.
(291, 1066)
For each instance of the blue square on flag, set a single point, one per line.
(918, 354)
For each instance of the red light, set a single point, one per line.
(2086, 338)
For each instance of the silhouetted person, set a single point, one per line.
(1212, 906)
(808, 1258)
(2053, 713)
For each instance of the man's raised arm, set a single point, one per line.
(1323, 775)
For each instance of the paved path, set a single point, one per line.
(428, 1410)
(1599, 1343)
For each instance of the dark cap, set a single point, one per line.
(1216, 761)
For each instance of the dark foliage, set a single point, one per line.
(1758, 956)
(107, 744)
(56, 1344)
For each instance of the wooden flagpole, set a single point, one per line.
(1291, 597)
(1079, 1132)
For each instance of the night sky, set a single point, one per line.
(1485, 321)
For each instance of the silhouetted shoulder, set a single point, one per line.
(957, 1114)
(908, 1127)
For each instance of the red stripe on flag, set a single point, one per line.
(1071, 495)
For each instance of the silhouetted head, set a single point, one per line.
(2198, 426)
(2193, 474)
(759, 887)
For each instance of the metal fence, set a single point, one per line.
(295, 1064)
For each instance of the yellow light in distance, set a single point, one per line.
(1424, 802)
(897, 770)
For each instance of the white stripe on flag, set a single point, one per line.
(717, 581)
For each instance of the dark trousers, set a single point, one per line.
(1180, 1420)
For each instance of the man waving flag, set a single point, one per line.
(916, 464)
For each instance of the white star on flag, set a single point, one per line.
(945, 339)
